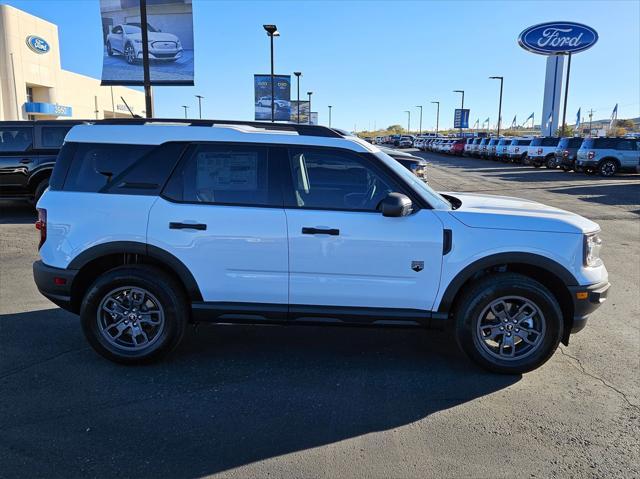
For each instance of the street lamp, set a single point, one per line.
(437, 116)
(309, 93)
(500, 102)
(330, 106)
(298, 75)
(420, 130)
(200, 98)
(408, 112)
(272, 31)
(185, 110)
(462, 107)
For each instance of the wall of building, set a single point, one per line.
(20, 67)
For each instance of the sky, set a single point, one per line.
(372, 60)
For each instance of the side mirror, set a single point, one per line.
(395, 205)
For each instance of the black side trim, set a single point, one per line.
(447, 241)
(499, 259)
(60, 294)
(132, 247)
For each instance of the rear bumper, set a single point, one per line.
(593, 296)
(580, 164)
(54, 283)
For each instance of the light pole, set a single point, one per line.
(566, 95)
(185, 110)
(309, 93)
(330, 106)
(437, 116)
(462, 107)
(200, 98)
(420, 130)
(272, 31)
(298, 74)
(408, 112)
(500, 102)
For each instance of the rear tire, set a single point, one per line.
(550, 162)
(40, 189)
(508, 323)
(134, 314)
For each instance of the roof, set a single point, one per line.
(155, 132)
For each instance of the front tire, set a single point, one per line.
(39, 191)
(551, 162)
(109, 49)
(130, 54)
(508, 323)
(134, 314)
(608, 168)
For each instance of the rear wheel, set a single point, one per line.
(551, 162)
(134, 314)
(608, 167)
(508, 323)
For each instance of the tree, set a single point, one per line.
(628, 124)
(568, 131)
(395, 128)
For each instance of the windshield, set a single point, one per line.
(435, 199)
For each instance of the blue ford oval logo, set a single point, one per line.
(556, 38)
(37, 44)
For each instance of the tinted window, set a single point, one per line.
(627, 145)
(15, 138)
(575, 142)
(330, 179)
(549, 141)
(96, 165)
(564, 143)
(225, 174)
(536, 142)
(53, 136)
(588, 143)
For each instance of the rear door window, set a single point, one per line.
(15, 139)
(53, 136)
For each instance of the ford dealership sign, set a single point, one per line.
(37, 44)
(557, 38)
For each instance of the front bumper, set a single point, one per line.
(54, 283)
(586, 299)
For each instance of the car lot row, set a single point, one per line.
(604, 156)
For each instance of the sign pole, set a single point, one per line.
(566, 94)
(145, 60)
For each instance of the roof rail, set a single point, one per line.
(306, 130)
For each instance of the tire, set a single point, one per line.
(109, 49)
(37, 193)
(130, 54)
(164, 306)
(551, 162)
(608, 167)
(516, 290)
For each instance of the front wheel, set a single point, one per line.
(134, 314)
(608, 168)
(130, 54)
(39, 190)
(508, 323)
(551, 162)
(109, 49)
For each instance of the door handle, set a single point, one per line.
(187, 226)
(25, 161)
(320, 231)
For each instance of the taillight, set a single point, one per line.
(591, 155)
(41, 225)
(539, 151)
(565, 153)
(517, 149)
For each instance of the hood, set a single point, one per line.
(503, 212)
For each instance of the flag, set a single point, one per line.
(486, 121)
(477, 123)
(549, 123)
(578, 119)
(529, 118)
(513, 123)
(614, 116)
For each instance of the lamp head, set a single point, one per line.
(297, 74)
(272, 30)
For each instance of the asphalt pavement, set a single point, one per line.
(329, 402)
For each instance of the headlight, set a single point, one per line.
(592, 245)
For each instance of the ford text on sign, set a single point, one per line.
(556, 38)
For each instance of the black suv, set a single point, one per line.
(567, 152)
(28, 151)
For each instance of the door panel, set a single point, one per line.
(368, 263)
(241, 256)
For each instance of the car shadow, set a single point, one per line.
(605, 194)
(228, 397)
(17, 212)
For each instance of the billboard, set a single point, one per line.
(170, 42)
(461, 118)
(304, 111)
(262, 97)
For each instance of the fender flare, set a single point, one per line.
(133, 247)
(498, 259)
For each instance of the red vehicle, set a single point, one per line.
(458, 147)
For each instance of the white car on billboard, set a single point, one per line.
(126, 39)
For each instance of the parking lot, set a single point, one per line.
(330, 402)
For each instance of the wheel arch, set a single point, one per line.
(616, 160)
(39, 175)
(548, 272)
(103, 257)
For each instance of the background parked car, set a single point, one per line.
(415, 164)
(502, 153)
(475, 145)
(490, 150)
(542, 151)
(405, 141)
(467, 146)
(481, 152)
(517, 150)
(607, 156)
(457, 146)
(567, 152)
(126, 40)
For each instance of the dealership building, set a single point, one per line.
(34, 86)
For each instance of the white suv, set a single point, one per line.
(127, 40)
(147, 227)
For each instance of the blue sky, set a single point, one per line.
(372, 60)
